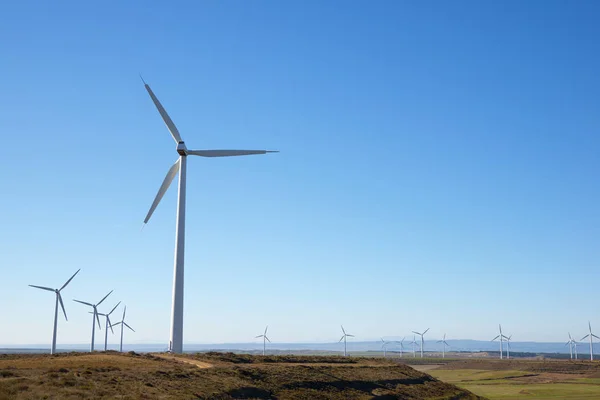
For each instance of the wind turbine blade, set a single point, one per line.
(114, 308)
(595, 336)
(426, 331)
(439, 341)
(266, 330)
(118, 323)
(343, 329)
(416, 332)
(125, 323)
(495, 338)
(62, 305)
(110, 324)
(43, 288)
(163, 113)
(163, 189)
(342, 338)
(268, 340)
(124, 309)
(349, 335)
(227, 153)
(71, 278)
(83, 302)
(256, 337)
(584, 337)
(104, 298)
(446, 343)
(97, 319)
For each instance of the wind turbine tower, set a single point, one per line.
(180, 166)
(501, 337)
(107, 325)
(591, 336)
(94, 316)
(422, 341)
(346, 335)
(414, 344)
(123, 325)
(444, 344)
(56, 303)
(265, 338)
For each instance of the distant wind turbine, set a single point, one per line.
(501, 337)
(401, 343)
(94, 316)
(180, 166)
(422, 341)
(108, 325)
(123, 325)
(508, 339)
(346, 335)
(62, 306)
(590, 335)
(570, 344)
(383, 346)
(265, 338)
(414, 344)
(444, 344)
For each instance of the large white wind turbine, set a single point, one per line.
(176, 342)
(94, 316)
(444, 344)
(501, 337)
(57, 301)
(107, 325)
(346, 335)
(123, 325)
(265, 338)
(422, 341)
(508, 339)
(590, 335)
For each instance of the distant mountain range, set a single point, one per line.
(466, 345)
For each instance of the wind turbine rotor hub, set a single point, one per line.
(181, 149)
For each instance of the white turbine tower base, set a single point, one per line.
(346, 335)
(57, 301)
(180, 166)
(265, 339)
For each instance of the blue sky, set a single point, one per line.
(438, 167)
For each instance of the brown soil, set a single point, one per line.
(214, 376)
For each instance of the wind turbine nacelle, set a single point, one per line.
(181, 149)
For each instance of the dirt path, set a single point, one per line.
(199, 364)
(425, 367)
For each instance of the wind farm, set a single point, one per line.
(412, 167)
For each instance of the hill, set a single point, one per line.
(214, 376)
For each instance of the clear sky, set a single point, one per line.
(439, 167)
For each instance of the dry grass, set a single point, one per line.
(221, 376)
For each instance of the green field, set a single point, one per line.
(521, 383)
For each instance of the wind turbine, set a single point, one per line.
(57, 301)
(176, 341)
(265, 338)
(383, 345)
(422, 341)
(570, 344)
(501, 337)
(590, 335)
(575, 343)
(413, 344)
(401, 343)
(94, 316)
(108, 325)
(444, 344)
(346, 335)
(508, 339)
(123, 324)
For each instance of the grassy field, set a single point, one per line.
(214, 376)
(521, 379)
